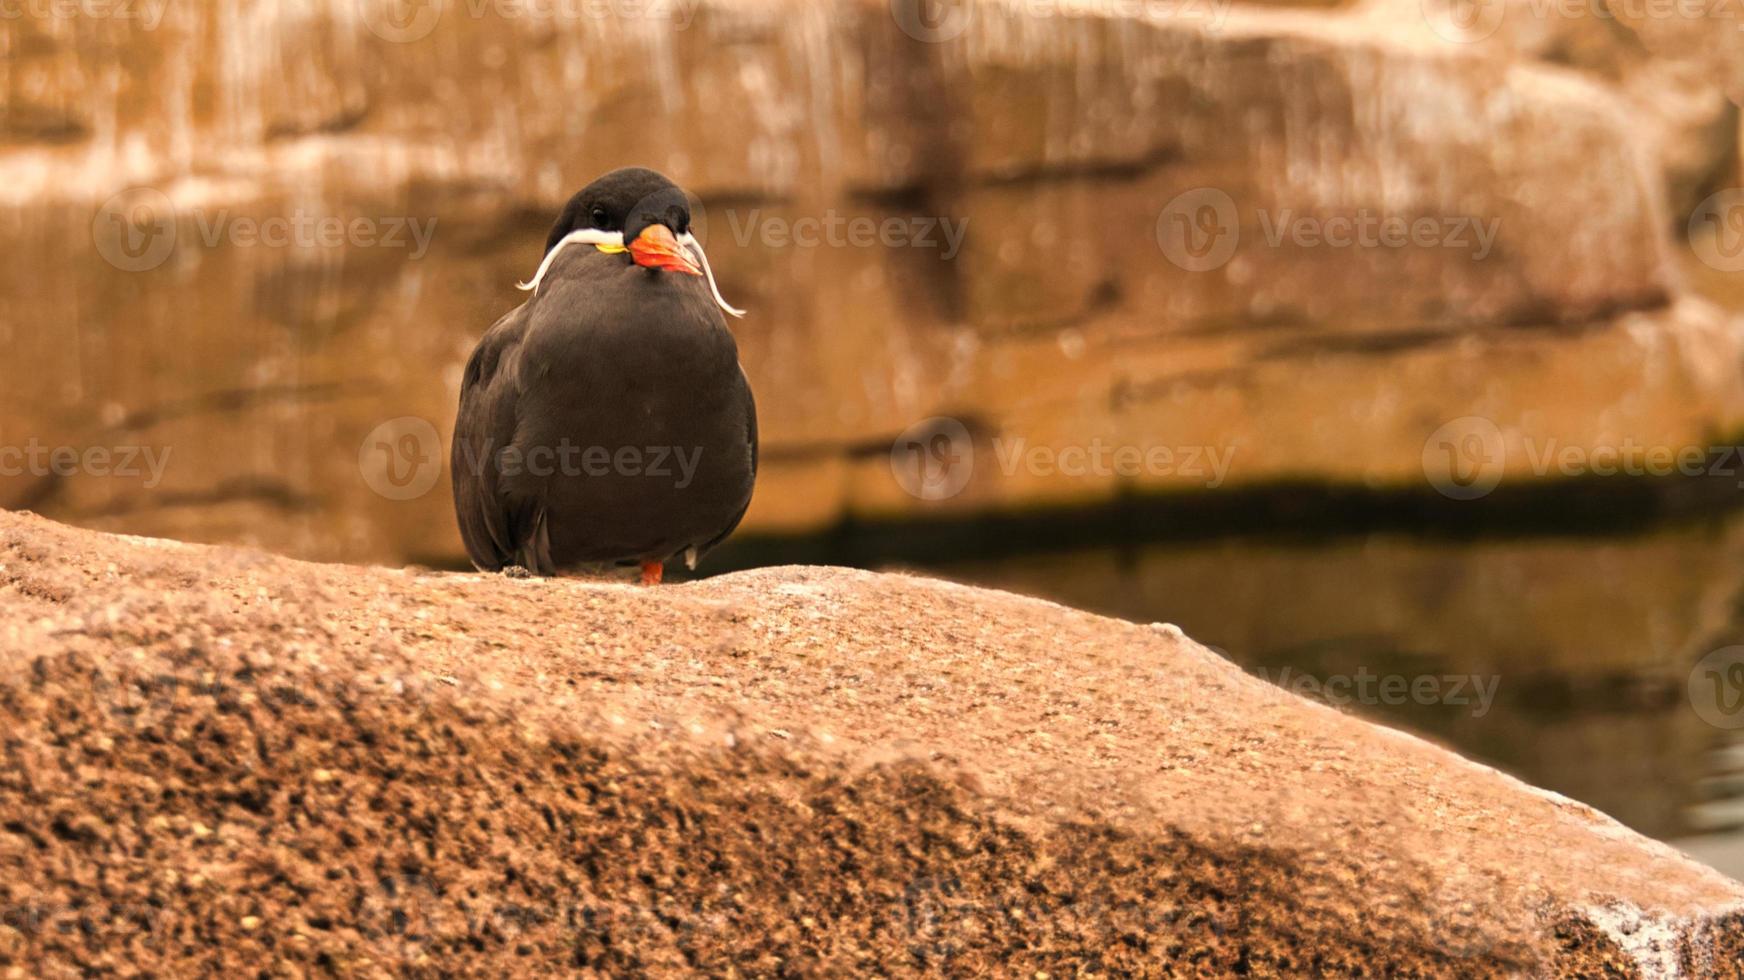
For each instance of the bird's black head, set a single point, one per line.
(641, 216)
(627, 200)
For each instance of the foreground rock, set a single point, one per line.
(222, 759)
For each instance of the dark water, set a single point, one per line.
(1566, 661)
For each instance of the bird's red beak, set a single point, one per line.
(657, 248)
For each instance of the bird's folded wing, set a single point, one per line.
(486, 424)
(751, 447)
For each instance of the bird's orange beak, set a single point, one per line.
(657, 248)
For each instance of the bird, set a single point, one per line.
(607, 421)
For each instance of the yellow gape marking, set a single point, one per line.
(612, 242)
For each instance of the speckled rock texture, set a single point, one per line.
(220, 762)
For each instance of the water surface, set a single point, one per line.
(1564, 660)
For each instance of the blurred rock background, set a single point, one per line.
(1058, 136)
(1127, 177)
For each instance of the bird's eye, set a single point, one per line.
(599, 217)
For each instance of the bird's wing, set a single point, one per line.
(751, 441)
(497, 531)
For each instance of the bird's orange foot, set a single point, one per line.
(652, 572)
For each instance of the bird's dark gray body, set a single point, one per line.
(605, 420)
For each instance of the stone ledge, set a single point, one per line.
(217, 758)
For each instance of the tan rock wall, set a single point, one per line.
(1068, 314)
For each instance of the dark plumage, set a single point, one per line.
(606, 419)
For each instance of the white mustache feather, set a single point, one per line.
(595, 236)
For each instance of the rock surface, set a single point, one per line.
(1591, 698)
(222, 759)
(1060, 146)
